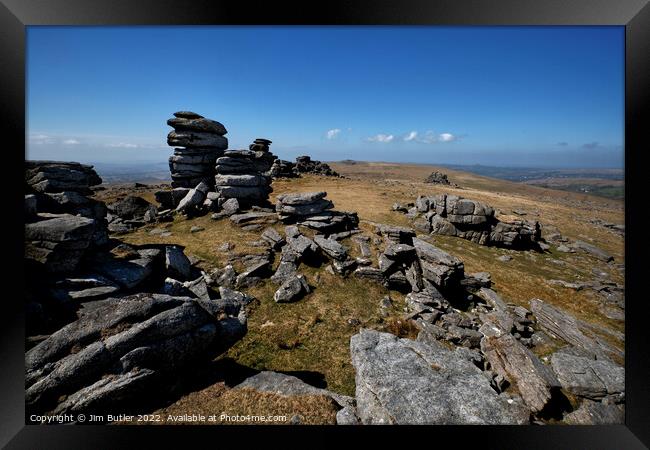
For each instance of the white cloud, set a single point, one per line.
(411, 136)
(381, 138)
(71, 142)
(122, 145)
(429, 137)
(333, 133)
(40, 139)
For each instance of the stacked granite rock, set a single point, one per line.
(304, 164)
(244, 174)
(199, 142)
(452, 215)
(62, 223)
(312, 210)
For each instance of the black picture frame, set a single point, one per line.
(15, 15)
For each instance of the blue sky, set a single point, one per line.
(506, 96)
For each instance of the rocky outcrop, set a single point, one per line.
(283, 169)
(452, 215)
(124, 349)
(61, 188)
(400, 381)
(198, 143)
(244, 175)
(304, 164)
(59, 176)
(58, 242)
(437, 178)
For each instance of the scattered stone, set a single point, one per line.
(176, 263)
(593, 250)
(291, 289)
(196, 229)
(332, 248)
(504, 258)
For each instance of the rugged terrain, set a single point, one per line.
(310, 338)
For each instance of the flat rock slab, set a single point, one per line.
(594, 413)
(332, 248)
(587, 377)
(253, 218)
(563, 325)
(279, 383)
(400, 381)
(510, 359)
(303, 198)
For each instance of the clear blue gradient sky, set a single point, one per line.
(505, 96)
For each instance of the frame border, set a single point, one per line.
(15, 15)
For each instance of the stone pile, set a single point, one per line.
(198, 143)
(452, 215)
(313, 210)
(304, 164)
(62, 223)
(437, 178)
(245, 174)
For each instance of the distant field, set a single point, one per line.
(601, 182)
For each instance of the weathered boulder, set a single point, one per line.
(279, 383)
(588, 377)
(177, 264)
(564, 326)
(59, 176)
(291, 289)
(400, 381)
(58, 242)
(438, 267)
(510, 359)
(102, 360)
(595, 413)
(130, 207)
(331, 248)
(90, 287)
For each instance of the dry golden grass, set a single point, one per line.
(217, 400)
